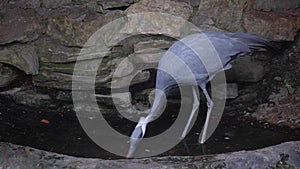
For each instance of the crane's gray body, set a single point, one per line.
(226, 46)
(193, 61)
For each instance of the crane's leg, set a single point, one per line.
(210, 105)
(196, 104)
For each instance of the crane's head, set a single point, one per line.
(137, 135)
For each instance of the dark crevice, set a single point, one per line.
(121, 8)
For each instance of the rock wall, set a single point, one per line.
(276, 20)
(42, 39)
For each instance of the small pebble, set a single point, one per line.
(281, 121)
(250, 109)
(277, 78)
(290, 89)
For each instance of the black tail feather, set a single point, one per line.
(255, 42)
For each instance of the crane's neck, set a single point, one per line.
(159, 103)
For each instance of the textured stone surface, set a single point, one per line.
(271, 5)
(63, 81)
(58, 57)
(231, 91)
(285, 155)
(31, 98)
(149, 52)
(53, 80)
(124, 68)
(122, 103)
(158, 24)
(111, 4)
(245, 16)
(147, 58)
(150, 46)
(59, 61)
(25, 4)
(8, 74)
(74, 27)
(22, 57)
(193, 3)
(285, 108)
(281, 26)
(55, 3)
(18, 25)
(51, 51)
(224, 14)
(125, 82)
(246, 69)
(166, 6)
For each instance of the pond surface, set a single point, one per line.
(58, 130)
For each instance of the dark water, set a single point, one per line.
(58, 130)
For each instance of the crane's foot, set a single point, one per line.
(203, 136)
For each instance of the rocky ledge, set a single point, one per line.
(285, 155)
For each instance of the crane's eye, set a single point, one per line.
(137, 133)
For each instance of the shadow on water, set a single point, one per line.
(58, 130)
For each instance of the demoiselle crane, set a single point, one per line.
(185, 53)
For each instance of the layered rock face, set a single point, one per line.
(276, 20)
(43, 38)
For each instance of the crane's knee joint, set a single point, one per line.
(210, 104)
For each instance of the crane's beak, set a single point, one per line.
(131, 151)
(133, 145)
(136, 136)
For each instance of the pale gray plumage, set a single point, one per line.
(227, 46)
